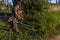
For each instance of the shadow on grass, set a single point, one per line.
(4, 28)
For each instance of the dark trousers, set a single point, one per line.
(11, 25)
(14, 26)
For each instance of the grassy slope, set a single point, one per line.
(48, 27)
(25, 33)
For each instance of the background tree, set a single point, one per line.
(56, 1)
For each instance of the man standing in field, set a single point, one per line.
(12, 19)
(15, 15)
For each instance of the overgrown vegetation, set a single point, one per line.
(44, 24)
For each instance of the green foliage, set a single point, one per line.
(2, 23)
(45, 21)
(37, 5)
(1, 6)
(9, 7)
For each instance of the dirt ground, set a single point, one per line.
(56, 38)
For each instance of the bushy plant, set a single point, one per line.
(37, 5)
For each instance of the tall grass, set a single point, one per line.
(43, 25)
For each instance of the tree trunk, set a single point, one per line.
(56, 1)
(15, 2)
(59, 1)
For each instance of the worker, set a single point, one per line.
(13, 20)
